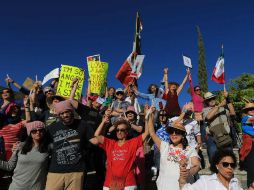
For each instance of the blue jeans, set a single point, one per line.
(212, 148)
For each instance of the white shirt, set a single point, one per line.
(211, 182)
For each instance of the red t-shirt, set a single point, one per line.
(10, 133)
(120, 162)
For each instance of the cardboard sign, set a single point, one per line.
(98, 74)
(65, 80)
(28, 83)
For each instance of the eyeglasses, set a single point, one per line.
(227, 164)
(120, 130)
(37, 130)
(172, 131)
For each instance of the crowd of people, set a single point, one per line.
(110, 141)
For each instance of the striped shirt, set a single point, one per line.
(11, 134)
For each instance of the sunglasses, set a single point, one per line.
(120, 130)
(162, 114)
(5, 92)
(119, 93)
(37, 130)
(198, 89)
(48, 91)
(227, 164)
(172, 131)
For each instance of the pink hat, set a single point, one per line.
(34, 125)
(63, 106)
(131, 109)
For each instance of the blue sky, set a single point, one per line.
(36, 37)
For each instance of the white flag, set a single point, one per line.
(51, 75)
(187, 61)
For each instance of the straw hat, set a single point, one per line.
(209, 95)
(248, 106)
(179, 126)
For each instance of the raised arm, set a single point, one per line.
(27, 109)
(148, 124)
(191, 85)
(74, 88)
(179, 89)
(153, 135)
(229, 104)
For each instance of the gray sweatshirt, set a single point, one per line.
(30, 170)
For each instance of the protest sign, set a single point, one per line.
(28, 83)
(187, 61)
(65, 80)
(136, 69)
(98, 74)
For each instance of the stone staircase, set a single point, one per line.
(240, 175)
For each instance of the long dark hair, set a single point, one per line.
(149, 89)
(43, 144)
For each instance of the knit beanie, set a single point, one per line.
(34, 125)
(63, 106)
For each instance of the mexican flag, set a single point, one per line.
(218, 72)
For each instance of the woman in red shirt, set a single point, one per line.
(121, 154)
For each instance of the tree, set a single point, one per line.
(241, 88)
(202, 71)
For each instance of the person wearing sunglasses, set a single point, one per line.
(121, 153)
(223, 165)
(247, 149)
(119, 105)
(174, 154)
(30, 160)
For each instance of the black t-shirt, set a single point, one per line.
(69, 146)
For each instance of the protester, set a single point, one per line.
(30, 160)
(217, 117)
(121, 154)
(247, 149)
(172, 91)
(12, 131)
(172, 154)
(132, 99)
(119, 106)
(223, 165)
(69, 138)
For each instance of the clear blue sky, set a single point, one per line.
(36, 37)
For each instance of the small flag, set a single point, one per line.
(187, 61)
(93, 58)
(218, 72)
(51, 75)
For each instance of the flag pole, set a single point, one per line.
(222, 53)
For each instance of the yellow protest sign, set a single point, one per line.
(67, 74)
(97, 73)
(28, 83)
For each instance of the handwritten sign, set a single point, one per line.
(98, 74)
(66, 76)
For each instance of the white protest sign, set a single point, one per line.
(187, 61)
(137, 66)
